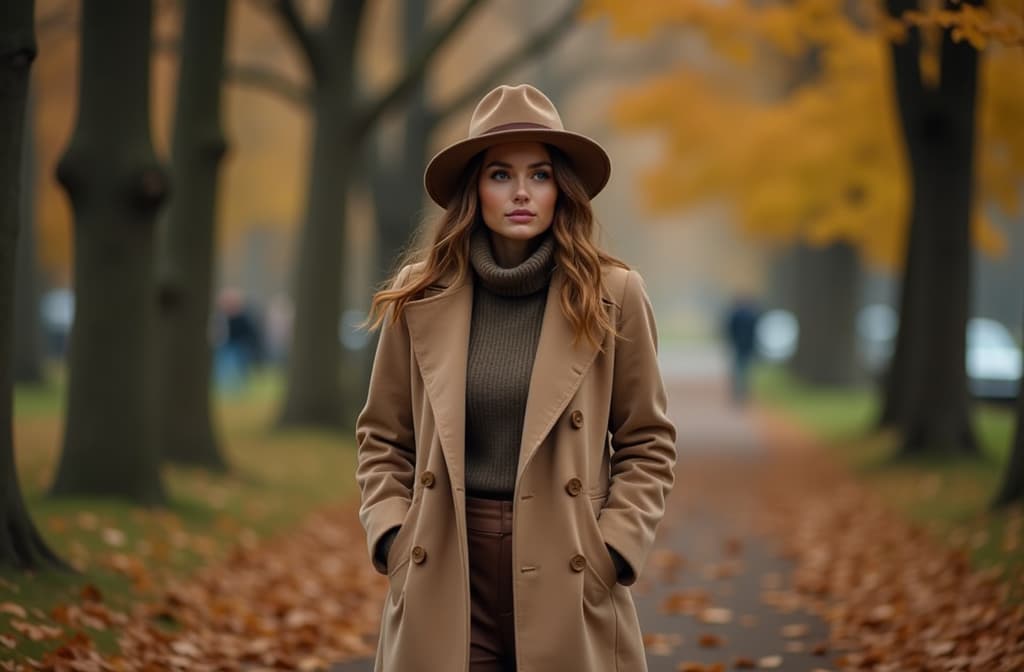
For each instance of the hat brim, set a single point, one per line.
(588, 158)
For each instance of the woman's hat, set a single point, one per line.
(515, 114)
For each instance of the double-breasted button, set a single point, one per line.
(574, 486)
(577, 563)
(576, 418)
(419, 554)
(427, 479)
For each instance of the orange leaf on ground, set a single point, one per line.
(710, 640)
(13, 609)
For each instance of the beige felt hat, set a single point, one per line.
(515, 114)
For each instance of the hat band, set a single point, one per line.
(516, 125)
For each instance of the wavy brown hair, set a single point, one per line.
(575, 252)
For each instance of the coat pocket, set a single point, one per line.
(599, 558)
(398, 554)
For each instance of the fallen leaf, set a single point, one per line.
(90, 593)
(716, 615)
(794, 630)
(710, 640)
(113, 537)
(13, 609)
(661, 644)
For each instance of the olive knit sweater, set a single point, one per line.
(508, 311)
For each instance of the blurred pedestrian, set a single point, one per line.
(741, 334)
(239, 341)
(514, 451)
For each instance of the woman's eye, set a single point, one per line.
(542, 175)
(499, 175)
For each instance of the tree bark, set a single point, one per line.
(939, 129)
(314, 392)
(896, 383)
(1012, 488)
(826, 294)
(21, 546)
(116, 186)
(395, 181)
(28, 333)
(184, 428)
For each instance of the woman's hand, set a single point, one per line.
(620, 562)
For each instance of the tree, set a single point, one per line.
(184, 428)
(28, 351)
(837, 173)
(116, 187)
(341, 123)
(21, 546)
(938, 120)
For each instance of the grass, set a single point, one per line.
(949, 496)
(128, 552)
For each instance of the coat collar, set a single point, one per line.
(439, 331)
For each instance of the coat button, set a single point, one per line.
(574, 486)
(418, 554)
(576, 418)
(427, 479)
(577, 563)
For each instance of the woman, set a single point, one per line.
(514, 450)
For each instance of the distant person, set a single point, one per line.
(514, 451)
(240, 343)
(740, 331)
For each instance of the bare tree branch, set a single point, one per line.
(535, 46)
(269, 81)
(304, 37)
(414, 69)
(247, 74)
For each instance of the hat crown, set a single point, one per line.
(506, 106)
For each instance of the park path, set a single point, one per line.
(713, 593)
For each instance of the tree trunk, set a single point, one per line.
(939, 127)
(896, 383)
(315, 395)
(397, 179)
(20, 543)
(826, 292)
(116, 186)
(185, 432)
(28, 333)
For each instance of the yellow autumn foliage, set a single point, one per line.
(821, 159)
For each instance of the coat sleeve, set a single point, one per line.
(642, 436)
(385, 437)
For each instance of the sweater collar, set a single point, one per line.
(528, 277)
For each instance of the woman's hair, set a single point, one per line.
(575, 252)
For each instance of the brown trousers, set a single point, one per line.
(492, 646)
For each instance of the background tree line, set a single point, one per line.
(145, 228)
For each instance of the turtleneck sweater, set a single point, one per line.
(508, 311)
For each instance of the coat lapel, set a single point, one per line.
(439, 330)
(558, 369)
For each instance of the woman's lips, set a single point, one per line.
(520, 216)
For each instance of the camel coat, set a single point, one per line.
(595, 467)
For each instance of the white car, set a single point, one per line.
(993, 360)
(992, 357)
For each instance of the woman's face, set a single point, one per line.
(517, 190)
